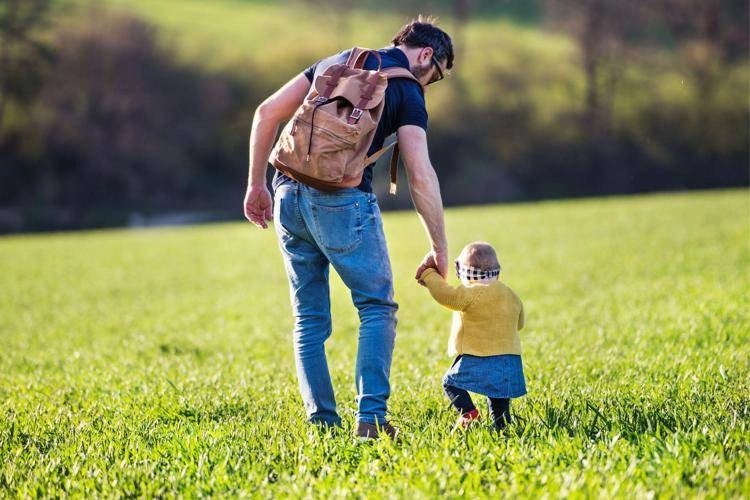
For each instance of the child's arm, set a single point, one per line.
(521, 318)
(456, 298)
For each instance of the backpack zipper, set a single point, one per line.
(312, 125)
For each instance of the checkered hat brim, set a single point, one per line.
(475, 274)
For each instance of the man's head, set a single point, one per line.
(429, 49)
(477, 262)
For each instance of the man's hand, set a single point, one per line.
(258, 205)
(435, 260)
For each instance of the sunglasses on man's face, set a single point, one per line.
(439, 76)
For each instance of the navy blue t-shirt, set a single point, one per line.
(404, 104)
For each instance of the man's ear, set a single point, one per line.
(425, 54)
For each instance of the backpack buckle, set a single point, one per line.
(356, 114)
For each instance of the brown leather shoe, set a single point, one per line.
(371, 431)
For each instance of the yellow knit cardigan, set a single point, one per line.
(487, 316)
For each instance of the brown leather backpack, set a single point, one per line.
(325, 143)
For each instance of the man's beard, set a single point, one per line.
(420, 71)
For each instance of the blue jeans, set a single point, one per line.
(344, 229)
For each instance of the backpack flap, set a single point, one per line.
(352, 85)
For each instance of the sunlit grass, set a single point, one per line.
(158, 362)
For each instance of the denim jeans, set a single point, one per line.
(343, 229)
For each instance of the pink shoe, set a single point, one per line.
(468, 418)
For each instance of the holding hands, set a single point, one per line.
(436, 260)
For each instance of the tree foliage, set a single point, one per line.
(21, 51)
(115, 122)
(98, 118)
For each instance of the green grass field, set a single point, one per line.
(159, 362)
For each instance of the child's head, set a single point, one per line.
(477, 262)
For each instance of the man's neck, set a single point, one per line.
(410, 53)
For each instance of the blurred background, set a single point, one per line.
(137, 112)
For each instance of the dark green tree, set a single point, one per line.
(21, 51)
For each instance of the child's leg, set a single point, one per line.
(500, 412)
(459, 398)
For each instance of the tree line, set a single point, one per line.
(99, 119)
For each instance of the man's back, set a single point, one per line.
(404, 103)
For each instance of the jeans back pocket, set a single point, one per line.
(338, 227)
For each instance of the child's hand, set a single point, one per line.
(419, 280)
(435, 259)
(427, 263)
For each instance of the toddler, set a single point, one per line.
(484, 336)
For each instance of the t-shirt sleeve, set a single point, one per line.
(310, 72)
(340, 57)
(412, 110)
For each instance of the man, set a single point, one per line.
(344, 228)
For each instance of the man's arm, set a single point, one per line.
(268, 116)
(425, 193)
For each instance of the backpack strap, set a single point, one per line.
(394, 162)
(357, 56)
(353, 55)
(399, 72)
(394, 167)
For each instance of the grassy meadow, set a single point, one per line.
(158, 362)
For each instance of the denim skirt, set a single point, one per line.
(498, 376)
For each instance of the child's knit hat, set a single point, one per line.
(484, 260)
